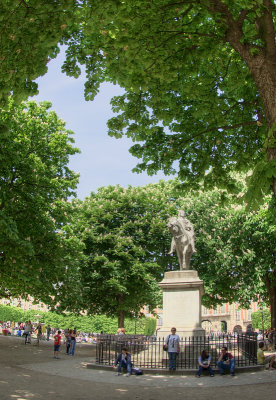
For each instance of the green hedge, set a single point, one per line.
(83, 323)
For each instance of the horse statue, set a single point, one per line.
(183, 239)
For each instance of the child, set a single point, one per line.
(57, 343)
(124, 360)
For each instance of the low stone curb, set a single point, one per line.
(152, 371)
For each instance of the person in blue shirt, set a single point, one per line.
(204, 362)
(124, 361)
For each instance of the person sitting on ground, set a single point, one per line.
(124, 361)
(204, 361)
(226, 361)
(264, 360)
(57, 343)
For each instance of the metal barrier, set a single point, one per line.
(147, 352)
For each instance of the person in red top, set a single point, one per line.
(57, 343)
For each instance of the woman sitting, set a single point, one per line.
(204, 361)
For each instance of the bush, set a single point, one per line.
(83, 323)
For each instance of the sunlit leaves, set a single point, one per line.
(35, 183)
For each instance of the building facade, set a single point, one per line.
(224, 318)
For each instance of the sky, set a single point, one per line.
(103, 160)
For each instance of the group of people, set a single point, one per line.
(70, 341)
(225, 361)
(172, 344)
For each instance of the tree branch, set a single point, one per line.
(224, 127)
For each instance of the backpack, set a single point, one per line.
(136, 371)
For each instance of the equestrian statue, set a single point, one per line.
(183, 240)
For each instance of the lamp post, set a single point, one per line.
(262, 314)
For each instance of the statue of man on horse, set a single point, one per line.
(183, 240)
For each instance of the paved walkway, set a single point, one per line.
(31, 372)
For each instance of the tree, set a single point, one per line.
(200, 80)
(126, 245)
(127, 241)
(235, 249)
(37, 252)
(30, 33)
(261, 319)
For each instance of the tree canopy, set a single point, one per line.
(30, 33)
(126, 246)
(200, 80)
(35, 182)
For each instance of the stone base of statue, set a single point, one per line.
(182, 292)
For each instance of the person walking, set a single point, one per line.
(48, 330)
(73, 342)
(172, 343)
(28, 331)
(57, 343)
(68, 341)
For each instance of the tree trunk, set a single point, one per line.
(121, 319)
(121, 313)
(273, 307)
(271, 289)
(262, 66)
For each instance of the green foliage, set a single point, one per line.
(83, 323)
(126, 244)
(150, 326)
(261, 319)
(37, 250)
(31, 31)
(8, 313)
(195, 98)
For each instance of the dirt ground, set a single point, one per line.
(30, 372)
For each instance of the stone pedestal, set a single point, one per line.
(182, 292)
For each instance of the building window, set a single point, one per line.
(159, 320)
(205, 311)
(238, 315)
(249, 313)
(222, 309)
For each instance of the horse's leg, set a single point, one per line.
(180, 257)
(188, 256)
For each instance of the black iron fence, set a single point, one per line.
(147, 352)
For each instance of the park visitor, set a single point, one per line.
(124, 361)
(73, 342)
(57, 343)
(172, 343)
(262, 359)
(68, 341)
(226, 361)
(204, 361)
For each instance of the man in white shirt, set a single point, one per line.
(173, 345)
